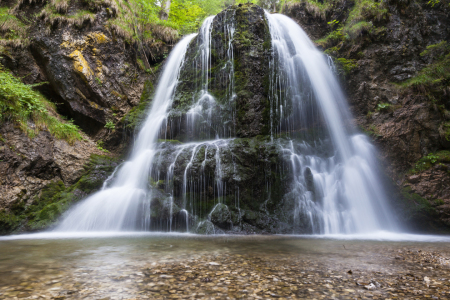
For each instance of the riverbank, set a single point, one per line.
(143, 266)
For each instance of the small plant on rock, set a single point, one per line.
(432, 3)
(110, 125)
(100, 145)
(383, 106)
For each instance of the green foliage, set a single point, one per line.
(315, 7)
(12, 30)
(361, 20)
(434, 75)
(53, 13)
(186, 15)
(346, 65)
(26, 107)
(434, 79)
(100, 145)
(110, 125)
(437, 50)
(432, 3)
(332, 38)
(357, 29)
(383, 106)
(333, 23)
(430, 160)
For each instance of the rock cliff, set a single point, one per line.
(79, 55)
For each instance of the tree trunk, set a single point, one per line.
(165, 9)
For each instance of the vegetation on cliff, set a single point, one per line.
(55, 198)
(435, 76)
(30, 110)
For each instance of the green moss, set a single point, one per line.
(446, 130)
(8, 222)
(433, 76)
(439, 202)
(346, 65)
(136, 116)
(169, 141)
(430, 160)
(372, 131)
(414, 207)
(56, 198)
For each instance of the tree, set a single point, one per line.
(165, 10)
(186, 15)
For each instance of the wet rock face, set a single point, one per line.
(235, 185)
(411, 126)
(221, 216)
(252, 58)
(236, 79)
(91, 74)
(28, 165)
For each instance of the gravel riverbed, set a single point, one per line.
(193, 267)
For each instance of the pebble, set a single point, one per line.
(419, 275)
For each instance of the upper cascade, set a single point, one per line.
(222, 91)
(248, 133)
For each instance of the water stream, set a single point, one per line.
(117, 207)
(334, 191)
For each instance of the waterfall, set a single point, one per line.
(117, 207)
(351, 195)
(330, 170)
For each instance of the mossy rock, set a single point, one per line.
(55, 198)
(418, 211)
(221, 216)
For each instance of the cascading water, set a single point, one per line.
(118, 207)
(324, 177)
(349, 196)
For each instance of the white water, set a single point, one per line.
(116, 208)
(347, 196)
(352, 198)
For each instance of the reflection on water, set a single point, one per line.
(94, 266)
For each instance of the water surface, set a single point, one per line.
(142, 265)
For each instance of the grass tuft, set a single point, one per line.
(435, 76)
(27, 108)
(12, 30)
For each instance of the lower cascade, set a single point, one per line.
(248, 132)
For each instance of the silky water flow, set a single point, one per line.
(348, 196)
